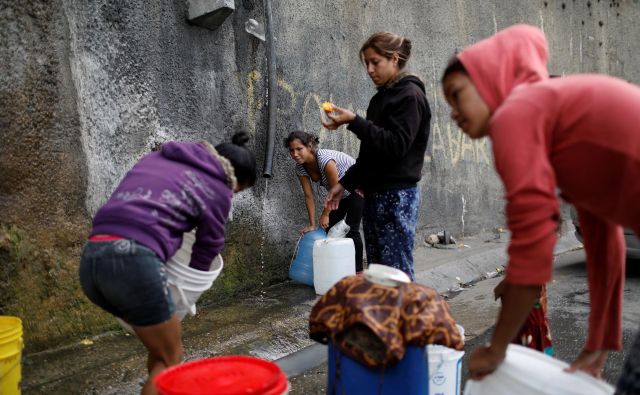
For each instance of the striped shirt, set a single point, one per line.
(323, 156)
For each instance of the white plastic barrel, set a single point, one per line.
(333, 259)
(530, 372)
(445, 370)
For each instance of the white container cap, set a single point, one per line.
(386, 275)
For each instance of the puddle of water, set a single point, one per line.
(275, 348)
(261, 301)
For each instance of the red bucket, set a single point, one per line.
(232, 375)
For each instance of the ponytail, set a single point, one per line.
(242, 159)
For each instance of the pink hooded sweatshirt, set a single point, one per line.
(580, 134)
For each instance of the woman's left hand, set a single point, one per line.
(324, 221)
(338, 117)
(483, 361)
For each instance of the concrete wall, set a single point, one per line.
(88, 87)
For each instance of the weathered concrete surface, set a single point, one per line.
(273, 325)
(89, 87)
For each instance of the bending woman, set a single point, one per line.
(325, 167)
(578, 133)
(393, 141)
(164, 195)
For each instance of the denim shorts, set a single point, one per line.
(126, 279)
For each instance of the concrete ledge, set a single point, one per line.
(210, 14)
(480, 258)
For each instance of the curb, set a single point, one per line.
(458, 273)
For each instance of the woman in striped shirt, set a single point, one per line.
(325, 167)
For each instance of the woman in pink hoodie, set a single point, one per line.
(577, 133)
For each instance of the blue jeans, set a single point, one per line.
(126, 279)
(389, 223)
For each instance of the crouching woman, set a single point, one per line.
(166, 194)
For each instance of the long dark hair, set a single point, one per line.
(308, 139)
(453, 66)
(242, 159)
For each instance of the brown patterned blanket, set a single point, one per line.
(374, 323)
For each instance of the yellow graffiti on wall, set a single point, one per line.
(292, 94)
(452, 146)
(254, 104)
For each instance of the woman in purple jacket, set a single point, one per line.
(167, 193)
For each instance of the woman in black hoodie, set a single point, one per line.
(393, 140)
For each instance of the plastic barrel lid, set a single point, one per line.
(231, 375)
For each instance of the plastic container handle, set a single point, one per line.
(183, 297)
(295, 251)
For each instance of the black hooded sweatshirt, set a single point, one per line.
(393, 138)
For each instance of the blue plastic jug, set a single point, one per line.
(301, 269)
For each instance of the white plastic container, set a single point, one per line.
(461, 330)
(445, 369)
(185, 283)
(529, 372)
(333, 259)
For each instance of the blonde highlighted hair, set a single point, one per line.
(388, 44)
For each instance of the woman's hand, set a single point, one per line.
(484, 361)
(334, 196)
(516, 305)
(324, 221)
(307, 229)
(338, 117)
(498, 291)
(591, 362)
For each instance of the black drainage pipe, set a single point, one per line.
(272, 101)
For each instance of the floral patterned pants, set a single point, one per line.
(389, 224)
(535, 332)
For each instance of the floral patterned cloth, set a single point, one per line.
(373, 323)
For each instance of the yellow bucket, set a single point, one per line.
(10, 355)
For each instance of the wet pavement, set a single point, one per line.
(268, 327)
(273, 326)
(475, 309)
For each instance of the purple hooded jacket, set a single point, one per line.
(166, 194)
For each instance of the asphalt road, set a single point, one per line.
(475, 309)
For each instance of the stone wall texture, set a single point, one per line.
(88, 87)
